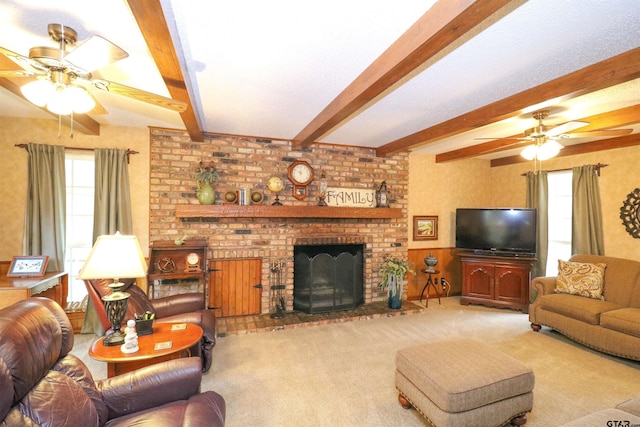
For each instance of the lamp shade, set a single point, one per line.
(114, 256)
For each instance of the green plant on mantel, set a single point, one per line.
(207, 174)
(394, 270)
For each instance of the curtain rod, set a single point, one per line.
(597, 165)
(129, 151)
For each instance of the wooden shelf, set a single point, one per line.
(168, 276)
(268, 211)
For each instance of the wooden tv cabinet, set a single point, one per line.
(496, 281)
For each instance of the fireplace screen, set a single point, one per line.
(327, 277)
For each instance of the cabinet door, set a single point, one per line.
(235, 288)
(477, 280)
(512, 283)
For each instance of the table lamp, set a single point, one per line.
(115, 256)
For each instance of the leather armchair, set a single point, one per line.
(43, 385)
(183, 308)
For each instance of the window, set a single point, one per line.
(560, 200)
(80, 171)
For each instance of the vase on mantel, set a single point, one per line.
(206, 193)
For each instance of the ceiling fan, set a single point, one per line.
(71, 69)
(541, 132)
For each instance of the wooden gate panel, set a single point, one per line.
(233, 290)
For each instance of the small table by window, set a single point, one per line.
(52, 285)
(152, 348)
(428, 285)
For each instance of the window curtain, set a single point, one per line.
(112, 204)
(538, 197)
(112, 209)
(44, 227)
(586, 230)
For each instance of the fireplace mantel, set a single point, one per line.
(268, 211)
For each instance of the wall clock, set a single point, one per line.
(192, 263)
(300, 173)
(629, 213)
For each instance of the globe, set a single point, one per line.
(275, 184)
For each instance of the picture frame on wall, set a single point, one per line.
(425, 227)
(28, 266)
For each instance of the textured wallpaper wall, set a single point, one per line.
(13, 163)
(618, 179)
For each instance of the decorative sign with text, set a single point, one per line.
(351, 197)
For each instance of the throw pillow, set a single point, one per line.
(580, 278)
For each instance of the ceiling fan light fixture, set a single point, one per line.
(549, 149)
(59, 98)
(542, 151)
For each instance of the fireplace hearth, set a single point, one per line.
(328, 278)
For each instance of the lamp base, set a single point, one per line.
(115, 338)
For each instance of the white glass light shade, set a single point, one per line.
(530, 152)
(549, 149)
(80, 100)
(59, 102)
(544, 151)
(38, 92)
(114, 256)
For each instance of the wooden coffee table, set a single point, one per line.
(153, 348)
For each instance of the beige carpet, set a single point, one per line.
(343, 374)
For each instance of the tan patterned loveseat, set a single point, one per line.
(610, 325)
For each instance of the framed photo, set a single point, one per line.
(28, 266)
(425, 228)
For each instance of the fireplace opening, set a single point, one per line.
(328, 278)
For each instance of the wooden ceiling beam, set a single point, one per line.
(607, 73)
(151, 20)
(446, 23)
(572, 150)
(611, 119)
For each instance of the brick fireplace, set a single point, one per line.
(250, 162)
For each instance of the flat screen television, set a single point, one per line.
(497, 231)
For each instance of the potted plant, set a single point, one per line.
(206, 177)
(394, 270)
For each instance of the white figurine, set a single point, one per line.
(130, 338)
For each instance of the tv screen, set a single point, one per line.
(499, 231)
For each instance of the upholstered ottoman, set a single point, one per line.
(464, 383)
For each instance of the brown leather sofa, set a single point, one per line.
(183, 308)
(43, 385)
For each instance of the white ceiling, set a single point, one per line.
(268, 68)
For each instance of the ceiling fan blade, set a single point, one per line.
(98, 109)
(505, 139)
(565, 128)
(603, 132)
(140, 95)
(95, 53)
(16, 73)
(25, 62)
